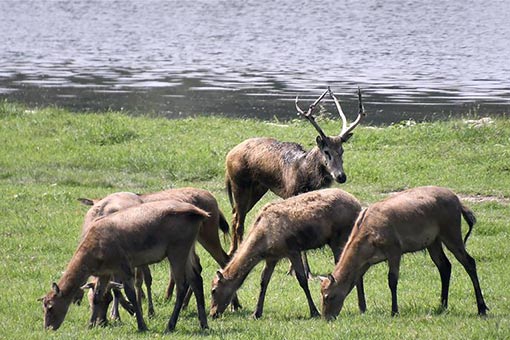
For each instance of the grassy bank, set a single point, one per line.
(50, 157)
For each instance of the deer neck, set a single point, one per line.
(76, 274)
(349, 266)
(311, 173)
(244, 260)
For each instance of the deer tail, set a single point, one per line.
(470, 218)
(228, 184)
(224, 227)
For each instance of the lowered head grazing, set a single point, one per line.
(55, 308)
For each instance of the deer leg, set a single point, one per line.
(239, 211)
(170, 287)
(147, 278)
(297, 264)
(394, 267)
(209, 239)
(198, 267)
(138, 287)
(181, 286)
(131, 296)
(185, 268)
(445, 268)
(193, 270)
(114, 313)
(306, 266)
(469, 265)
(264, 281)
(245, 197)
(123, 302)
(360, 290)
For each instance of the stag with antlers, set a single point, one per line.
(261, 164)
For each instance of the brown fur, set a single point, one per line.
(284, 229)
(419, 218)
(261, 164)
(208, 235)
(114, 245)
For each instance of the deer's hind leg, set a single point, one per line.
(445, 268)
(469, 265)
(297, 264)
(193, 269)
(178, 270)
(245, 196)
(127, 278)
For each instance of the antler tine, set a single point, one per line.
(308, 115)
(339, 108)
(299, 110)
(361, 114)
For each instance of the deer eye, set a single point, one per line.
(327, 154)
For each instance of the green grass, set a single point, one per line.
(49, 157)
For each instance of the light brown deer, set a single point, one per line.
(114, 245)
(99, 305)
(208, 234)
(415, 219)
(261, 164)
(284, 229)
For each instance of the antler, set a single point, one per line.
(308, 114)
(361, 113)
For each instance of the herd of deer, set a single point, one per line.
(125, 232)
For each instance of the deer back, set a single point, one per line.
(307, 221)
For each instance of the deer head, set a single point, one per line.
(331, 147)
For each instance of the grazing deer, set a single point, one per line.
(99, 307)
(114, 245)
(415, 219)
(208, 235)
(284, 229)
(261, 164)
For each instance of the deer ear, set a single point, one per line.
(86, 201)
(322, 278)
(220, 275)
(346, 137)
(331, 278)
(320, 142)
(56, 289)
(116, 285)
(88, 285)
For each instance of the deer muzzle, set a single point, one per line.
(340, 177)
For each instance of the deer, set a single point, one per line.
(260, 164)
(284, 229)
(99, 307)
(115, 244)
(415, 219)
(208, 235)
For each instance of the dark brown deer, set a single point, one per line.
(415, 219)
(261, 164)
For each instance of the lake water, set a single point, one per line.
(412, 59)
